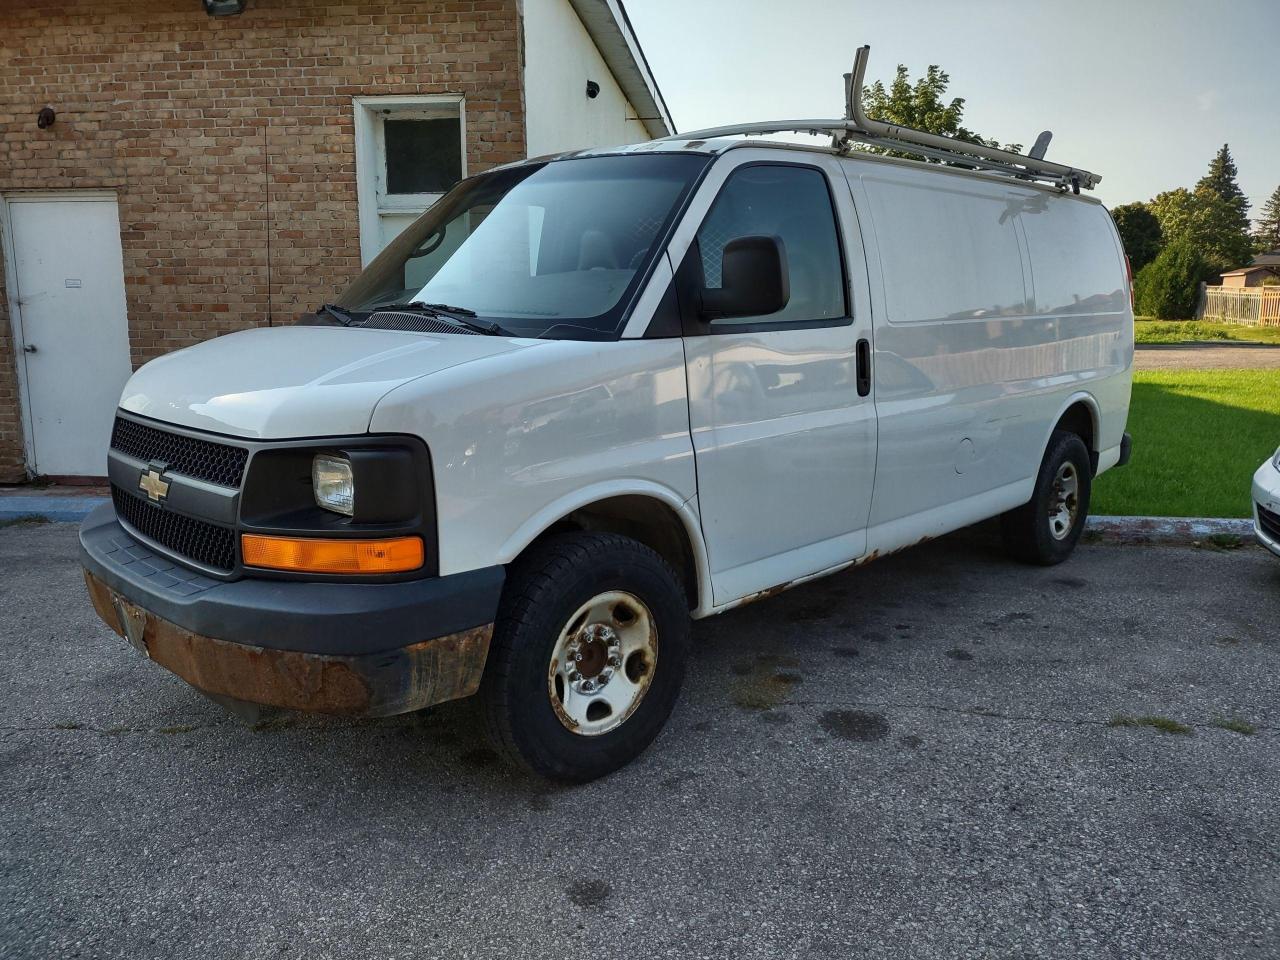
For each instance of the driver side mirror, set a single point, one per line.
(753, 280)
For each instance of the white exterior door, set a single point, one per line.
(66, 290)
(783, 426)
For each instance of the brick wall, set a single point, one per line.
(230, 142)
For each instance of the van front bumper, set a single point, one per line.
(366, 649)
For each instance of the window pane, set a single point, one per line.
(536, 247)
(423, 156)
(793, 204)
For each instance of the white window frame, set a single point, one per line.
(371, 162)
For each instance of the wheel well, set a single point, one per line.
(646, 519)
(1078, 419)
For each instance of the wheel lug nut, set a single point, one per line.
(577, 657)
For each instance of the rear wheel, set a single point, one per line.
(587, 656)
(1046, 529)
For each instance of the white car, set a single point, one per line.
(584, 399)
(1266, 504)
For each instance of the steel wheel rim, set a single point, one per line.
(1064, 501)
(602, 664)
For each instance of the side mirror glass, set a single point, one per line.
(753, 280)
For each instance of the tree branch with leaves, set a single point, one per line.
(922, 106)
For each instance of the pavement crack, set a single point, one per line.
(73, 727)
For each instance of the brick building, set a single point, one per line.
(195, 174)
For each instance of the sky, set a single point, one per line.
(1142, 92)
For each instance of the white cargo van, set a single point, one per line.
(585, 398)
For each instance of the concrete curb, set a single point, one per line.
(1166, 529)
(46, 508)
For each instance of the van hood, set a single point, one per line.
(283, 383)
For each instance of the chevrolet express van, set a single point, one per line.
(583, 399)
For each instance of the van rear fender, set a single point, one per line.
(1079, 415)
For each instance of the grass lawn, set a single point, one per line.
(1198, 436)
(1146, 330)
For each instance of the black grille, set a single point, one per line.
(192, 457)
(202, 542)
(1269, 522)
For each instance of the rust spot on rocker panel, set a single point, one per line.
(765, 594)
(378, 684)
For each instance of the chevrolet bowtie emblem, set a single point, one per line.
(154, 484)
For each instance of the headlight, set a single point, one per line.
(333, 484)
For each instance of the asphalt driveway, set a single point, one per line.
(908, 760)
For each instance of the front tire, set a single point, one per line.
(1046, 528)
(587, 657)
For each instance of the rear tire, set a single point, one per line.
(1047, 527)
(587, 657)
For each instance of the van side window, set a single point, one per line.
(794, 204)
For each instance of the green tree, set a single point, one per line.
(1224, 213)
(1266, 235)
(1221, 179)
(1205, 220)
(921, 105)
(1167, 288)
(1139, 232)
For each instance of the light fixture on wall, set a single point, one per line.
(593, 89)
(45, 118)
(223, 8)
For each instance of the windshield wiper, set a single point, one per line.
(461, 316)
(335, 311)
(444, 308)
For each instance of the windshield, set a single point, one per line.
(538, 248)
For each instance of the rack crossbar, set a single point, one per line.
(856, 127)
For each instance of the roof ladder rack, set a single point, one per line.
(857, 128)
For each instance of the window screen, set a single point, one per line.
(792, 203)
(423, 156)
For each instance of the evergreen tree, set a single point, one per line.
(1221, 179)
(1231, 215)
(1267, 233)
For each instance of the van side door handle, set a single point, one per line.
(864, 367)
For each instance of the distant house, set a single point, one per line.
(171, 170)
(1263, 266)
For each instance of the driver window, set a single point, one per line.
(794, 204)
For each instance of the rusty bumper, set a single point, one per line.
(346, 647)
(376, 684)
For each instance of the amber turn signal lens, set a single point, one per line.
(313, 555)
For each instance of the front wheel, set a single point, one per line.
(1046, 529)
(587, 657)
